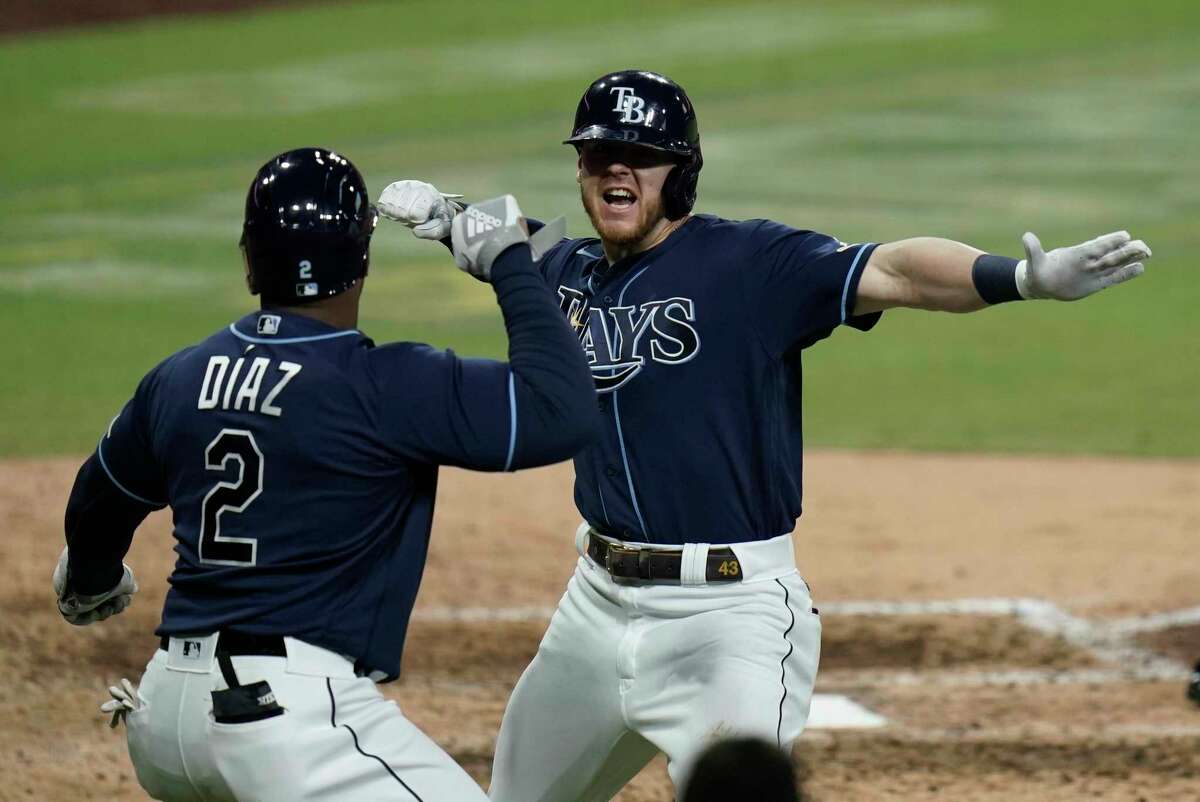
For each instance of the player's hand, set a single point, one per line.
(82, 610)
(485, 230)
(124, 701)
(1068, 274)
(420, 206)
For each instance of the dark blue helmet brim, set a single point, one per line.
(632, 135)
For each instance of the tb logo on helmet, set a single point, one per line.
(631, 106)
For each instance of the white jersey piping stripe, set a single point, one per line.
(850, 275)
(284, 340)
(512, 416)
(121, 487)
(603, 506)
(625, 462)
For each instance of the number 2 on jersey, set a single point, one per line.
(236, 445)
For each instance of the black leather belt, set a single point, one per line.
(623, 562)
(234, 643)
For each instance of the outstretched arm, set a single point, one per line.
(948, 276)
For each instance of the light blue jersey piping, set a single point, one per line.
(121, 487)
(617, 418)
(512, 417)
(284, 340)
(850, 275)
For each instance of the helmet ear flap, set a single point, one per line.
(679, 190)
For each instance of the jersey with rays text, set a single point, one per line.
(695, 349)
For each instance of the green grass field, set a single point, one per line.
(127, 151)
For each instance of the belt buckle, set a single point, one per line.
(614, 550)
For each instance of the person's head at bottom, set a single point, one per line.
(738, 769)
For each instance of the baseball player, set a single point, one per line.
(300, 462)
(686, 618)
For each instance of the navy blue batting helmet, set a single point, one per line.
(647, 109)
(308, 226)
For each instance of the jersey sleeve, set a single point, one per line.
(537, 408)
(440, 408)
(801, 285)
(125, 451)
(115, 489)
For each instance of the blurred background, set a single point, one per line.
(128, 143)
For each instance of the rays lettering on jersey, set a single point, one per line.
(618, 343)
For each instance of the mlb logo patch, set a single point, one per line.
(191, 649)
(269, 324)
(307, 290)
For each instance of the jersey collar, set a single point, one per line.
(603, 270)
(268, 326)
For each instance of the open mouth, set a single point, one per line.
(619, 198)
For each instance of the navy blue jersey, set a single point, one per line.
(695, 348)
(300, 463)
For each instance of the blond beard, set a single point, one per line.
(648, 218)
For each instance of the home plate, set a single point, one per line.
(832, 711)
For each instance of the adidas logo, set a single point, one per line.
(479, 222)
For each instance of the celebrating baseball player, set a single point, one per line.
(300, 462)
(686, 618)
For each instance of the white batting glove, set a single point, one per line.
(1068, 274)
(420, 206)
(487, 229)
(124, 701)
(82, 610)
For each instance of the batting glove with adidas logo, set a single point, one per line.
(485, 230)
(420, 206)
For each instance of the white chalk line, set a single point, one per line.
(480, 745)
(483, 615)
(1044, 736)
(1157, 622)
(1038, 613)
(848, 681)
(857, 679)
(1109, 642)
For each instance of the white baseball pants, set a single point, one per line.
(339, 739)
(628, 669)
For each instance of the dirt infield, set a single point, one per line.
(1022, 623)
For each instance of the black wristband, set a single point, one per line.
(995, 278)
